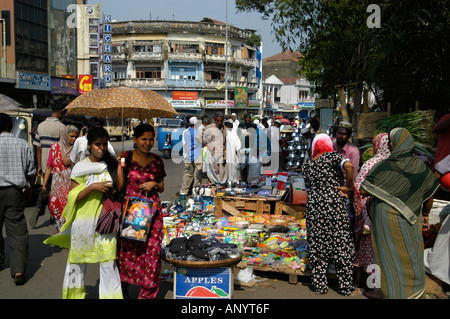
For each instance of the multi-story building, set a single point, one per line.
(285, 90)
(38, 51)
(186, 62)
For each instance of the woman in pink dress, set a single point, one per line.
(59, 169)
(364, 250)
(143, 177)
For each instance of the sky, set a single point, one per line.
(191, 10)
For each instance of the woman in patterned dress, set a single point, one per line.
(327, 221)
(140, 262)
(59, 168)
(363, 240)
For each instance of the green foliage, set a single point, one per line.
(405, 60)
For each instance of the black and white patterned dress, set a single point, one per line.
(328, 224)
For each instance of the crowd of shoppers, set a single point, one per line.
(357, 215)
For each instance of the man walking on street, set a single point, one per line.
(276, 157)
(192, 153)
(48, 133)
(215, 141)
(17, 172)
(235, 122)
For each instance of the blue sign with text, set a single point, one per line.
(203, 283)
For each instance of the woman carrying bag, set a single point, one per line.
(143, 177)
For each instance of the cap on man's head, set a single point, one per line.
(228, 123)
(278, 122)
(313, 114)
(193, 120)
(233, 114)
(346, 125)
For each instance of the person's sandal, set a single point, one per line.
(358, 291)
(19, 279)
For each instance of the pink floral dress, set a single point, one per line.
(60, 185)
(140, 263)
(363, 240)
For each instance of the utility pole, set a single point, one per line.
(226, 57)
(4, 48)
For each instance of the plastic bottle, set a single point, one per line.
(183, 200)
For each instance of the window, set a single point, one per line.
(183, 73)
(303, 94)
(215, 48)
(214, 75)
(93, 66)
(184, 48)
(119, 72)
(148, 72)
(30, 34)
(93, 40)
(154, 47)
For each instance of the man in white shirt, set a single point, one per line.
(273, 133)
(233, 146)
(235, 123)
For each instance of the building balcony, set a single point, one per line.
(174, 83)
(147, 57)
(184, 56)
(186, 84)
(158, 27)
(138, 83)
(220, 84)
(246, 63)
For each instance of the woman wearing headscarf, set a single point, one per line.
(59, 169)
(402, 189)
(93, 179)
(327, 221)
(363, 240)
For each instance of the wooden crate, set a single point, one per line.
(233, 205)
(292, 273)
(367, 124)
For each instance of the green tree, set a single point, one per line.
(404, 61)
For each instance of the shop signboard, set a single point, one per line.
(85, 83)
(218, 103)
(64, 86)
(240, 96)
(33, 81)
(306, 105)
(107, 56)
(184, 103)
(185, 95)
(203, 283)
(254, 103)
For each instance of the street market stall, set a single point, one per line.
(261, 227)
